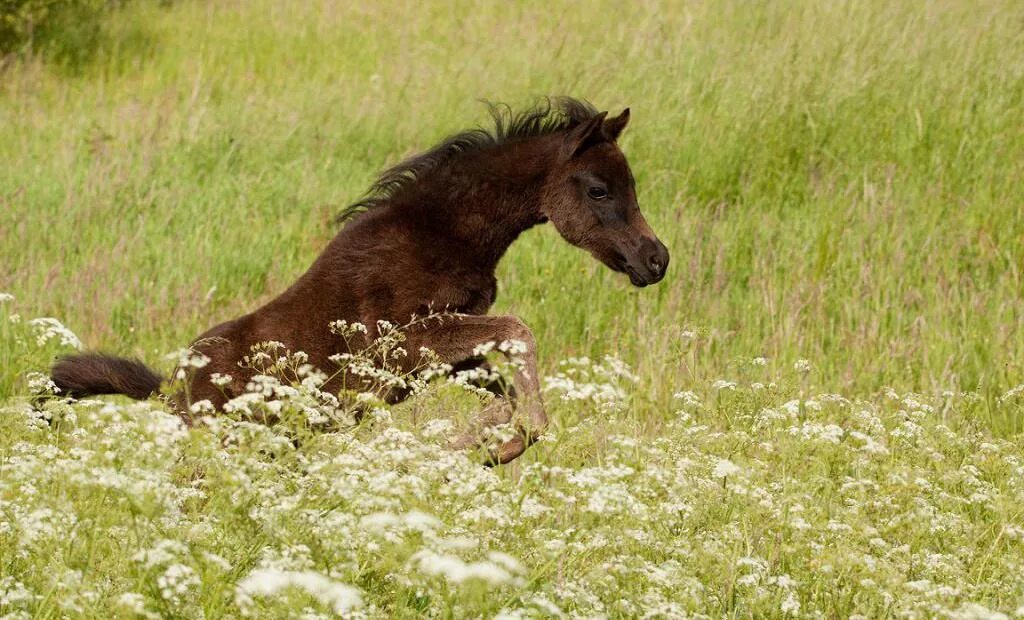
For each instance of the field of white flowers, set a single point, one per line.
(758, 497)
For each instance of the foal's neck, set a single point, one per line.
(489, 198)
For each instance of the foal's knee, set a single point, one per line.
(518, 330)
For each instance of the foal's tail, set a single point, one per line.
(94, 373)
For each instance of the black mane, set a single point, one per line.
(550, 116)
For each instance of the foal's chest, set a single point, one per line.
(473, 295)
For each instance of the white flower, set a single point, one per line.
(162, 553)
(414, 520)
(598, 382)
(48, 328)
(974, 611)
(177, 581)
(689, 398)
(187, 358)
(505, 560)
(136, 604)
(201, 406)
(802, 366)
(220, 380)
(38, 383)
(1012, 393)
(813, 431)
(344, 328)
(6, 297)
(512, 347)
(456, 570)
(725, 468)
(790, 604)
(483, 348)
(267, 582)
(437, 428)
(722, 384)
(366, 397)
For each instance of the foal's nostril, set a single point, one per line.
(651, 259)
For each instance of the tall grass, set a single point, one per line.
(837, 181)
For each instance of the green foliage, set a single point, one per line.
(69, 32)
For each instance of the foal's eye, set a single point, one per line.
(597, 193)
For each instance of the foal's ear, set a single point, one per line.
(584, 135)
(613, 126)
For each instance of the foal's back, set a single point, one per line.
(379, 267)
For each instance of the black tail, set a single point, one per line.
(95, 373)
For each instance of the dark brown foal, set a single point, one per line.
(427, 238)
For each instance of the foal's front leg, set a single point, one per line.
(453, 338)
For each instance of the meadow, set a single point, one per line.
(818, 413)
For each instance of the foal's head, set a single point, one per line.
(590, 197)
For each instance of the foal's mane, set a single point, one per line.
(550, 116)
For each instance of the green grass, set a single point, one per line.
(841, 182)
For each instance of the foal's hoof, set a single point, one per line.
(507, 452)
(497, 455)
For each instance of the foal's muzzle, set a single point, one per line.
(648, 264)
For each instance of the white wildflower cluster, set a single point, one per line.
(48, 329)
(473, 380)
(346, 329)
(498, 569)
(39, 384)
(135, 604)
(689, 402)
(273, 358)
(14, 595)
(383, 364)
(177, 584)
(187, 361)
(340, 598)
(489, 378)
(301, 401)
(723, 384)
(283, 386)
(602, 383)
(371, 372)
(1012, 393)
(725, 468)
(815, 431)
(688, 398)
(220, 379)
